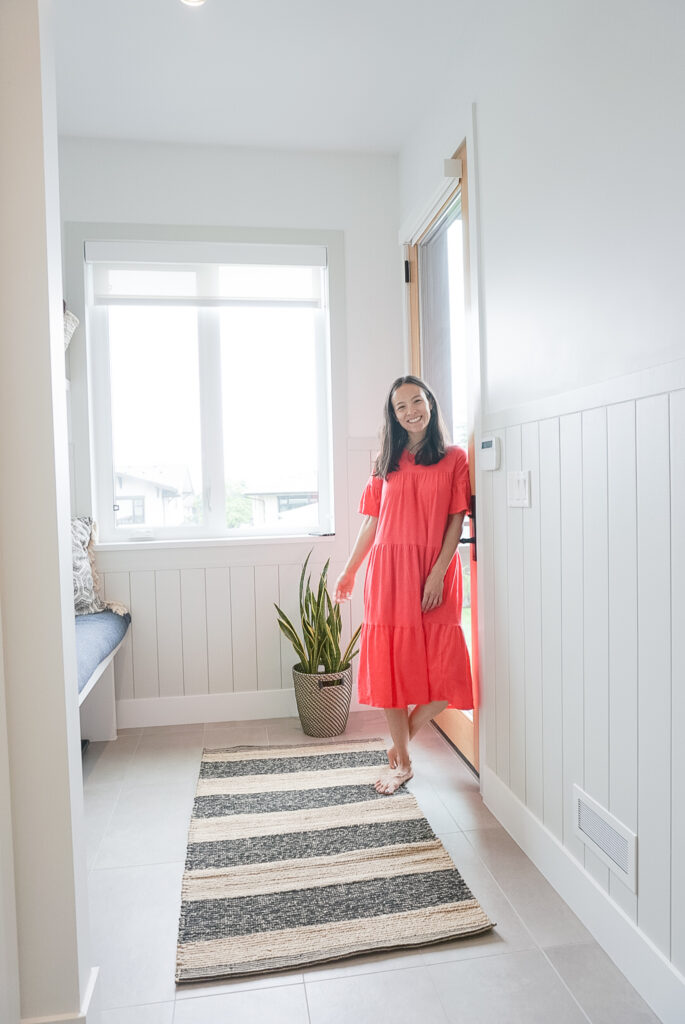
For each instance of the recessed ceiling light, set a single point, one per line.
(193, 3)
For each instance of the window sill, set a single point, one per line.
(213, 542)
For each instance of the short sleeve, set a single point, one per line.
(460, 499)
(370, 504)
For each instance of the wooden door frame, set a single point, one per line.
(457, 728)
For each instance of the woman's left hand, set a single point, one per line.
(432, 590)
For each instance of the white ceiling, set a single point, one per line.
(296, 74)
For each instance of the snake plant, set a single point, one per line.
(318, 648)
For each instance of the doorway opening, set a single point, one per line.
(443, 352)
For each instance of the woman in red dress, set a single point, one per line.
(413, 650)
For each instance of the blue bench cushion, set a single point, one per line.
(96, 636)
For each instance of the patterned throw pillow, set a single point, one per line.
(87, 597)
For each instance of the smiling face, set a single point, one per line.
(412, 411)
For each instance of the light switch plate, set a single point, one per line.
(518, 489)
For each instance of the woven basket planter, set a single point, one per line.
(323, 701)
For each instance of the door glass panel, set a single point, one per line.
(443, 337)
(455, 264)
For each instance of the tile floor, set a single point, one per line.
(539, 965)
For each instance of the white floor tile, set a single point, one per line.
(134, 927)
(465, 805)
(149, 825)
(165, 757)
(437, 815)
(601, 989)
(99, 803)
(153, 1013)
(293, 735)
(550, 921)
(391, 997)
(515, 988)
(107, 763)
(235, 736)
(170, 730)
(286, 1005)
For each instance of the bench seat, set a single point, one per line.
(99, 636)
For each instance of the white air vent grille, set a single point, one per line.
(608, 837)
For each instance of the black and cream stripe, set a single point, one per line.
(294, 859)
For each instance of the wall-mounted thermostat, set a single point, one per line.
(489, 453)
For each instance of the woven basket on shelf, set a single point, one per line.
(323, 701)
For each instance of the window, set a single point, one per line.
(129, 509)
(212, 389)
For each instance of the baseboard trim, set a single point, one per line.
(88, 1014)
(659, 983)
(206, 707)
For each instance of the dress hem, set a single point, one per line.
(404, 707)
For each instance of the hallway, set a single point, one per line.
(538, 964)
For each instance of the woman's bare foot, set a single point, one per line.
(392, 757)
(390, 780)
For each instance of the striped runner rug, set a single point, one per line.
(294, 859)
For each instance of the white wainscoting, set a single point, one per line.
(204, 642)
(584, 667)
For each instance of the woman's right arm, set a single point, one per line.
(345, 583)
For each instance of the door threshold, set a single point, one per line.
(456, 749)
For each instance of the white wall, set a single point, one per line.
(40, 681)
(241, 188)
(575, 164)
(579, 147)
(9, 959)
(204, 641)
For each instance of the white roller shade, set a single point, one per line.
(205, 274)
(242, 253)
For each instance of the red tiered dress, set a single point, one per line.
(407, 656)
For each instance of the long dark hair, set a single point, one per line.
(394, 436)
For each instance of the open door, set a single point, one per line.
(442, 339)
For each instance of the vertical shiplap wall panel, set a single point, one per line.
(194, 631)
(571, 459)
(117, 588)
(348, 623)
(169, 632)
(501, 614)
(678, 676)
(517, 695)
(595, 621)
(268, 641)
(243, 628)
(486, 602)
(144, 634)
(654, 670)
(550, 593)
(622, 596)
(288, 601)
(358, 471)
(219, 639)
(530, 460)
(359, 466)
